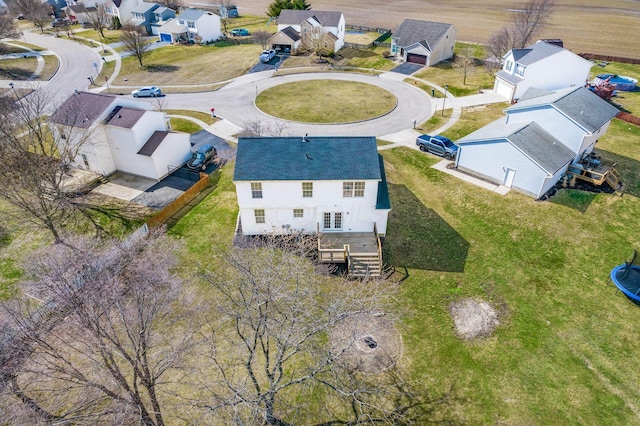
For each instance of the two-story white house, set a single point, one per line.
(531, 148)
(332, 186)
(295, 27)
(423, 42)
(121, 9)
(542, 65)
(195, 25)
(119, 134)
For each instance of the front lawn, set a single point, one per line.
(444, 74)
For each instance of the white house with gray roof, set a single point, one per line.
(295, 26)
(120, 134)
(331, 186)
(199, 26)
(423, 42)
(542, 65)
(531, 148)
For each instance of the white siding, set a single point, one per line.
(491, 160)
(174, 151)
(444, 49)
(207, 27)
(279, 198)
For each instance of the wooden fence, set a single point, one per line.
(163, 215)
(607, 58)
(629, 118)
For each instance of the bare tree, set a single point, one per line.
(36, 11)
(261, 37)
(262, 128)
(465, 63)
(113, 327)
(7, 30)
(273, 341)
(98, 18)
(316, 41)
(134, 41)
(527, 21)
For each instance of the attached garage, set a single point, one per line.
(416, 59)
(504, 89)
(165, 37)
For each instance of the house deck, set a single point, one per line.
(358, 242)
(361, 251)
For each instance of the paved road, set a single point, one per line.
(76, 64)
(235, 103)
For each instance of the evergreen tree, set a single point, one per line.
(276, 6)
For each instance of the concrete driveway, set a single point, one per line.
(273, 64)
(225, 151)
(408, 68)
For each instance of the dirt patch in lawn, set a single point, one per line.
(474, 318)
(369, 343)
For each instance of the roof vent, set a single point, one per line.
(305, 138)
(308, 157)
(119, 116)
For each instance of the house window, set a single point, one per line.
(256, 190)
(520, 70)
(353, 189)
(259, 215)
(191, 24)
(307, 189)
(508, 65)
(298, 213)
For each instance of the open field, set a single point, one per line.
(584, 25)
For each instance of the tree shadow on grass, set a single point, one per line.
(162, 68)
(14, 73)
(420, 239)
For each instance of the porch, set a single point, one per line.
(361, 251)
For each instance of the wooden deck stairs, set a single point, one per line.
(360, 251)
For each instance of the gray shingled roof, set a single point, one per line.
(297, 17)
(581, 105)
(291, 33)
(321, 158)
(413, 31)
(192, 14)
(511, 78)
(530, 138)
(82, 109)
(153, 143)
(536, 52)
(124, 117)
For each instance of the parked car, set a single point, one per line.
(147, 91)
(86, 25)
(240, 32)
(438, 145)
(202, 157)
(267, 55)
(60, 22)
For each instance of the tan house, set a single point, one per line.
(307, 30)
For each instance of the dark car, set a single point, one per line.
(438, 145)
(240, 32)
(60, 22)
(202, 157)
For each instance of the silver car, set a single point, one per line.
(147, 91)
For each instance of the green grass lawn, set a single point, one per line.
(202, 116)
(17, 68)
(110, 36)
(370, 58)
(183, 125)
(339, 102)
(444, 74)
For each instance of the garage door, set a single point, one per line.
(504, 89)
(416, 59)
(165, 37)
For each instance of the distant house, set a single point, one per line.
(199, 26)
(121, 9)
(79, 12)
(123, 135)
(542, 65)
(423, 42)
(334, 186)
(151, 16)
(296, 27)
(531, 148)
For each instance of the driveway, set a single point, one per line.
(273, 64)
(408, 68)
(225, 151)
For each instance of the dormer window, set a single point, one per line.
(508, 66)
(520, 70)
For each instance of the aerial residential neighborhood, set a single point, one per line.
(284, 212)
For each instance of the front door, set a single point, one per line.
(508, 177)
(332, 221)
